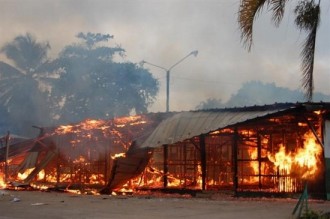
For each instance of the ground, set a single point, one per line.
(37, 204)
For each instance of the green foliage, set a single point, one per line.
(90, 39)
(82, 82)
(94, 86)
(307, 18)
(307, 15)
(311, 214)
(26, 52)
(21, 84)
(258, 93)
(210, 103)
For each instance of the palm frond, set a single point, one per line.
(308, 18)
(307, 15)
(308, 54)
(277, 6)
(8, 71)
(26, 52)
(248, 10)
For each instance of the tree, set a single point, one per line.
(210, 103)
(82, 82)
(258, 93)
(23, 92)
(307, 19)
(92, 85)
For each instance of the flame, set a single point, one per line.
(282, 160)
(199, 177)
(288, 167)
(253, 154)
(2, 181)
(22, 176)
(84, 150)
(88, 124)
(41, 175)
(301, 124)
(152, 177)
(95, 179)
(86, 167)
(130, 120)
(80, 160)
(91, 124)
(118, 155)
(64, 129)
(308, 157)
(303, 161)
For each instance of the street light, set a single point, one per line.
(195, 52)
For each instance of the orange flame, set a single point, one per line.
(22, 176)
(253, 154)
(118, 155)
(2, 181)
(304, 161)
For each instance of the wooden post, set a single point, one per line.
(314, 132)
(58, 166)
(58, 160)
(185, 165)
(165, 155)
(203, 160)
(235, 168)
(7, 157)
(259, 158)
(106, 163)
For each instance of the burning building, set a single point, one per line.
(273, 149)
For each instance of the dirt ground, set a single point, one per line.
(37, 204)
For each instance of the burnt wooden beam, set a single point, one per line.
(310, 125)
(203, 160)
(234, 160)
(58, 166)
(42, 164)
(259, 159)
(7, 156)
(165, 164)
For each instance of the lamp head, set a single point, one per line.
(142, 63)
(194, 53)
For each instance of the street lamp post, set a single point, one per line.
(195, 52)
(165, 148)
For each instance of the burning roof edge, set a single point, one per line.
(185, 125)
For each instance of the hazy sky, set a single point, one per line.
(164, 31)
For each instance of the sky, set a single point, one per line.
(162, 32)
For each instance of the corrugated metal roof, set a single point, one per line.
(186, 125)
(128, 167)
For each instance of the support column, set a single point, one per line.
(58, 166)
(7, 157)
(165, 167)
(326, 148)
(327, 177)
(259, 158)
(203, 160)
(235, 163)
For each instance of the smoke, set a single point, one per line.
(162, 32)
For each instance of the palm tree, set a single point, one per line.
(307, 19)
(93, 85)
(21, 87)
